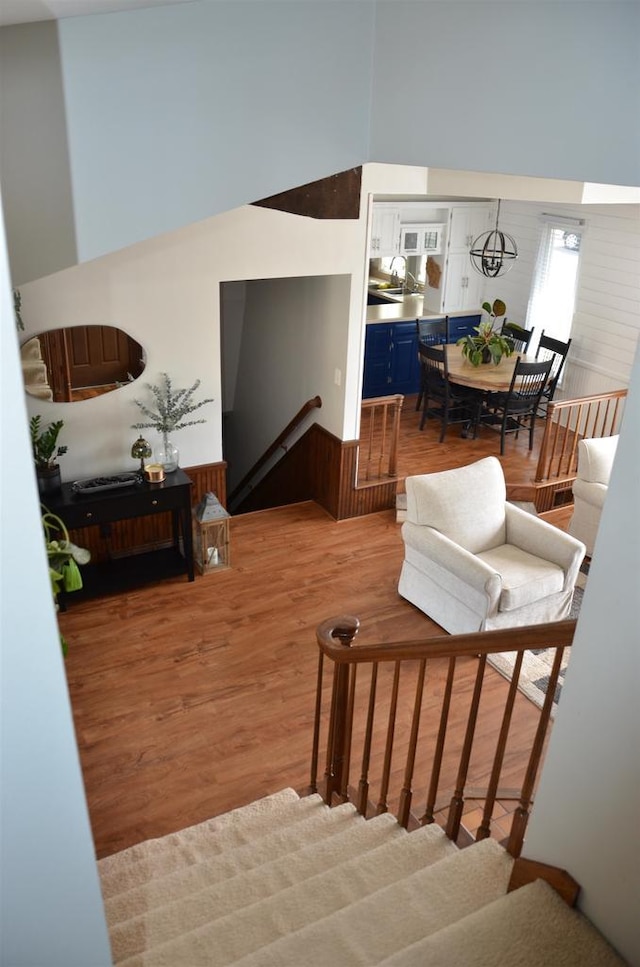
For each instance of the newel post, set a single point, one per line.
(344, 630)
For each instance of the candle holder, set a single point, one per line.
(211, 549)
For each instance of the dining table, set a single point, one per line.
(488, 377)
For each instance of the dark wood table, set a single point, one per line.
(106, 507)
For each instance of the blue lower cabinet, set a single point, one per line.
(460, 326)
(391, 359)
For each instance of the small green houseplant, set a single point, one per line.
(488, 345)
(64, 558)
(44, 444)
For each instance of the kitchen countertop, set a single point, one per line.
(408, 309)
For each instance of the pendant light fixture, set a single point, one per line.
(493, 253)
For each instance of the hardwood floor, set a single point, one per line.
(190, 699)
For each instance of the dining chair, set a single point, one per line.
(517, 409)
(443, 400)
(431, 332)
(520, 336)
(556, 350)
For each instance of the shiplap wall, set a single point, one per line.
(606, 324)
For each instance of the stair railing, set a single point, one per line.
(379, 436)
(568, 422)
(347, 725)
(279, 443)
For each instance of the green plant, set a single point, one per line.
(44, 443)
(172, 406)
(64, 558)
(487, 346)
(494, 311)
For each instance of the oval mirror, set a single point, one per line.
(79, 362)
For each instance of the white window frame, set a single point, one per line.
(542, 310)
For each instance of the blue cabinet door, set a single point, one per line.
(377, 359)
(405, 368)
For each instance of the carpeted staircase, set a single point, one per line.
(288, 882)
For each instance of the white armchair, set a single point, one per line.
(595, 459)
(474, 562)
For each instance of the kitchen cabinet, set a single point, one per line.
(423, 239)
(391, 359)
(463, 326)
(385, 232)
(459, 286)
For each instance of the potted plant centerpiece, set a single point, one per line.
(172, 406)
(44, 443)
(488, 345)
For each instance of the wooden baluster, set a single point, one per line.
(363, 785)
(457, 800)
(406, 793)
(521, 815)
(348, 732)
(383, 440)
(386, 771)
(439, 749)
(338, 719)
(484, 829)
(315, 750)
(395, 436)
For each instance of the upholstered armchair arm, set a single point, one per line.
(592, 493)
(537, 537)
(468, 568)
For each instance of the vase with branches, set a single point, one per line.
(168, 412)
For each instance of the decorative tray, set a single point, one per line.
(94, 485)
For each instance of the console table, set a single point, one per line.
(108, 506)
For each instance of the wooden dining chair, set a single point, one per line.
(520, 336)
(431, 332)
(443, 400)
(557, 351)
(517, 409)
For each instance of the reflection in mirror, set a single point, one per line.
(79, 362)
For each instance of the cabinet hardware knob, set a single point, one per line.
(154, 503)
(88, 514)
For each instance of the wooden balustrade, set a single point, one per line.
(414, 707)
(379, 434)
(568, 422)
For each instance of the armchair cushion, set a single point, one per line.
(595, 458)
(525, 578)
(467, 504)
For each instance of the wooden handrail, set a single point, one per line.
(314, 403)
(378, 455)
(352, 713)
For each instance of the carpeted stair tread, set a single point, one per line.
(144, 884)
(531, 927)
(360, 932)
(227, 831)
(252, 884)
(274, 907)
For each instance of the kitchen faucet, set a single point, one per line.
(409, 282)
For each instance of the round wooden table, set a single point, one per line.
(486, 376)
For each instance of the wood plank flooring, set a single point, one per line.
(190, 699)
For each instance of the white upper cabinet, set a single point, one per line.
(421, 239)
(385, 232)
(466, 223)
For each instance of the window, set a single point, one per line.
(553, 294)
(415, 264)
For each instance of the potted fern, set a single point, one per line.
(44, 444)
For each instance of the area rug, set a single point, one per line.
(536, 665)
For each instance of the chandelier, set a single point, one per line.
(493, 253)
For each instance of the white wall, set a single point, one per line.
(50, 903)
(166, 294)
(34, 155)
(531, 88)
(294, 337)
(586, 812)
(606, 324)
